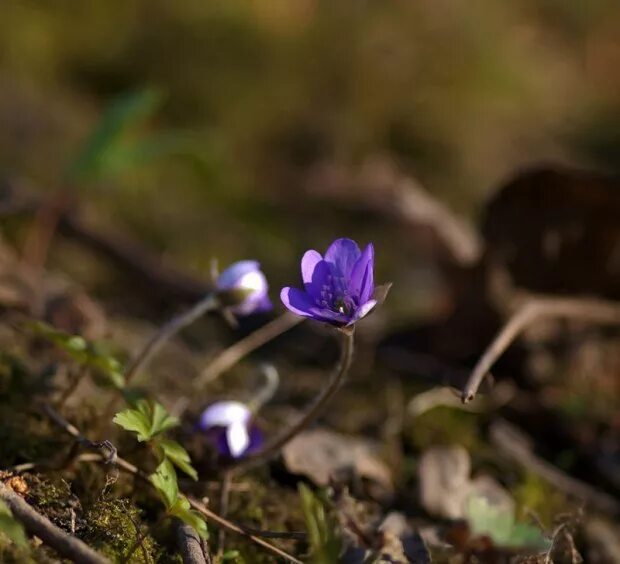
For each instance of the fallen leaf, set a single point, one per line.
(322, 455)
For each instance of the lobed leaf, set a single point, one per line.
(172, 450)
(165, 481)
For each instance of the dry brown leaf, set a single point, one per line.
(322, 455)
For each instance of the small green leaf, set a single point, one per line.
(134, 421)
(107, 370)
(165, 481)
(172, 450)
(230, 555)
(499, 524)
(182, 510)
(147, 419)
(322, 531)
(161, 420)
(11, 528)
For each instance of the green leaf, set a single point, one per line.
(322, 531)
(172, 450)
(161, 420)
(100, 148)
(183, 511)
(107, 370)
(165, 481)
(135, 421)
(230, 555)
(11, 528)
(147, 419)
(499, 524)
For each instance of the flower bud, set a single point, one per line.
(242, 288)
(229, 428)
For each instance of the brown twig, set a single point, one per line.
(591, 310)
(288, 535)
(233, 354)
(130, 468)
(190, 545)
(40, 526)
(515, 444)
(272, 448)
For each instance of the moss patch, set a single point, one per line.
(111, 528)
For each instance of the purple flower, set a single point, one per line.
(338, 288)
(243, 288)
(228, 426)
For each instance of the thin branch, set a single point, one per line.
(190, 545)
(272, 448)
(288, 535)
(201, 508)
(233, 354)
(36, 524)
(591, 310)
(106, 448)
(515, 444)
(130, 468)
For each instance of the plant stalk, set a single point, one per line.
(272, 448)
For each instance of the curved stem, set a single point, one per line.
(336, 380)
(233, 354)
(167, 331)
(272, 381)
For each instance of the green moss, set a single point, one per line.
(110, 527)
(52, 497)
(264, 505)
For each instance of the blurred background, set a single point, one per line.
(260, 128)
(475, 142)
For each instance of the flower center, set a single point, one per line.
(335, 296)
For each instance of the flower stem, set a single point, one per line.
(272, 448)
(167, 331)
(272, 381)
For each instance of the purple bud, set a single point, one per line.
(243, 288)
(228, 426)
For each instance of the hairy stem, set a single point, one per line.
(233, 354)
(272, 448)
(167, 331)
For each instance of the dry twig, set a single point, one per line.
(591, 310)
(39, 525)
(515, 444)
